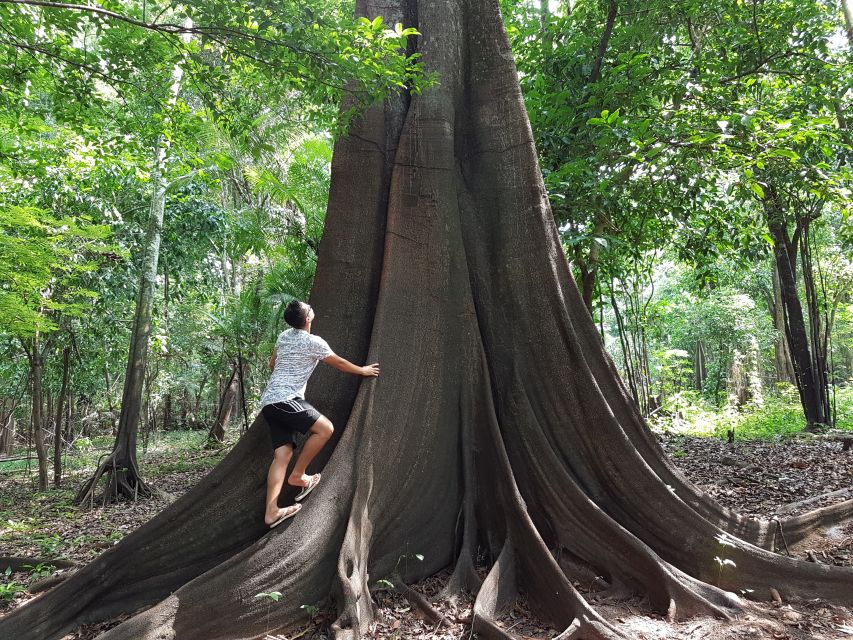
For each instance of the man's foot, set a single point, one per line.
(306, 482)
(281, 515)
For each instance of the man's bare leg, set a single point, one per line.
(275, 480)
(320, 431)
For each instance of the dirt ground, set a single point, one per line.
(758, 478)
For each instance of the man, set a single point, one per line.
(286, 411)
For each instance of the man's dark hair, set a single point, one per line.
(296, 314)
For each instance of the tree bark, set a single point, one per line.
(35, 351)
(7, 435)
(612, 12)
(60, 414)
(168, 418)
(227, 405)
(498, 425)
(700, 367)
(7, 417)
(589, 271)
(785, 255)
(782, 354)
(817, 345)
(847, 9)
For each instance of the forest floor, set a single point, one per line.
(757, 477)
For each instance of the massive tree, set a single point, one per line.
(499, 423)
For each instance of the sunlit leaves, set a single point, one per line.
(39, 256)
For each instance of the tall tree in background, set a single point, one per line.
(499, 423)
(704, 130)
(121, 466)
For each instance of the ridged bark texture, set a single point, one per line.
(498, 424)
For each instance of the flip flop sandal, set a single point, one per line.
(315, 480)
(290, 514)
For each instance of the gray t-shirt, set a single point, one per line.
(297, 354)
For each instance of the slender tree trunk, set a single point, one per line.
(69, 419)
(60, 414)
(36, 355)
(7, 435)
(7, 417)
(47, 415)
(109, 388)
(782, 354)
(626, 350)
(736, 381)
(121, 466)
(590, 271)
(241, 376)
(700, 366)
(785, 254)
(817, 346)
(168, 420)
(544, 16)
(227, 405)
(185, 400)
(847, 9)
(198, 397)
(598, 63)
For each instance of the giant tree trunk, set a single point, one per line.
(121, 468)
(499, 422)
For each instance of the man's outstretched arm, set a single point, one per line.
(368, 370)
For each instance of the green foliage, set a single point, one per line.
(844, 406)
(235, 54)
(49, 545)
(9, 588)
(275, 596)
(40, 255)
(39, 571)
(779, 415)
(670, 139)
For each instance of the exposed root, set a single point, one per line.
(19, 563)
(571, 632)
(417, 600)
(549, 591)
(464, 574)
(500, 587)
(123, 480)
(586, 629)
(845, 494)
(353, 594)
(794, 529)
(186, 539)
(47, 583)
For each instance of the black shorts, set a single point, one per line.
(288, 418)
